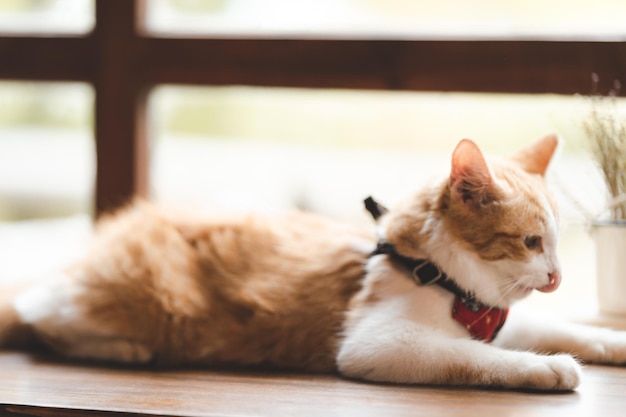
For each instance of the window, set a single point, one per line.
(46, 175)
(356, 51)
(46, 16)
(401, 19)
(46, 150)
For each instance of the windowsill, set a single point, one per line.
(613, 321)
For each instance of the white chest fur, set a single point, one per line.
(395, 298)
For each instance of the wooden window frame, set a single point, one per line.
(122, 63)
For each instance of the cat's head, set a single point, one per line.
(492, 226)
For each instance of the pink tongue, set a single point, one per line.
(555, 281)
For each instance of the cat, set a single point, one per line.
(422, 299)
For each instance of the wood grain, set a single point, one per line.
(40, 386)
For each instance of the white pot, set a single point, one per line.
(610, 242)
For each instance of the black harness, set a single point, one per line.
(424, 273)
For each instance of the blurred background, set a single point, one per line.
(274, 149)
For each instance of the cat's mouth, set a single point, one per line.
(554, 280)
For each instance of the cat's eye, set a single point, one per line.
(532, 242)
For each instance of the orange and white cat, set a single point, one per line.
(420, 301)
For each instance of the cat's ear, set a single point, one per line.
(470, 178)
(536, 158)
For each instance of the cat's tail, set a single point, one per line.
(13, 332)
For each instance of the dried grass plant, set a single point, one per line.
(605, 128)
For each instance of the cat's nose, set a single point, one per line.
(554, 280)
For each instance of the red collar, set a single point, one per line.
(483, 323)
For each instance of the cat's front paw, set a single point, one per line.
(549, 373)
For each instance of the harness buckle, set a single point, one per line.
(427, 273)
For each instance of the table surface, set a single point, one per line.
(37, 385)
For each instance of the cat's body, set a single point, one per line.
(157, 286)
(303, 292)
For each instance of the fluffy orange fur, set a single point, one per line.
(248, 290)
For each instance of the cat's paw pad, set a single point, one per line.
(557, 373)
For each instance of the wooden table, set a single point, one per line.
(32, 385)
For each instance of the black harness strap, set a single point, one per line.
(375, 208)
(424, 272)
